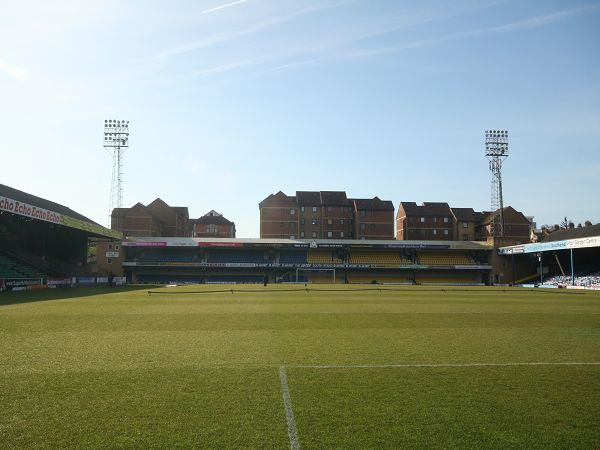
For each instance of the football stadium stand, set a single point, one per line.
(43, 243)
(204, 260)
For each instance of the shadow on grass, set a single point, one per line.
(42, 295)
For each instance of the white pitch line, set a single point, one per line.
(391, 366)
(289, 412)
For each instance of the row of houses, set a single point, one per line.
(328, 215)
(332, 215)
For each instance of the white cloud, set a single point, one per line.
(535, 22)
(223, 6)
(225, 37)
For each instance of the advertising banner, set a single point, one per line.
(27, 210)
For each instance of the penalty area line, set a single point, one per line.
(400, 366)
(289, 412)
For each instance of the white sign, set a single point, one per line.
(112, 254)
(27, 210)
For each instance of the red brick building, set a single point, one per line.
(212, 224)
(156, 219)
(325, 215)
(438, 221)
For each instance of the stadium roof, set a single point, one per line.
(21, 203)
(582, 242)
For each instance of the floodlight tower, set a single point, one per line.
(116, 141)
(496, 150)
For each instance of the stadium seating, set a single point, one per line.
(444, 259)
(378, 258)
(292, 257)
(323, 257)
(10, 268)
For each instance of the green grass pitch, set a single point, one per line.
(417, 367)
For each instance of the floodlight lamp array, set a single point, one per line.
(116, 133)
(496, 142)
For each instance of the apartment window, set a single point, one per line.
(341, 209)
(314, 234)
(314, 209)
(293, 225)
(434, 219)
(302, 234)
(465, 225)
(302, 221)
(445, 220)
(465, 237)
(211, 228)
(363, 227)
(350, 221)
(108, 260)
(362, 238)
(329, 234)
(292, 236)
(434, 232)
(341, 234)
(341, 221)
(314, 221)
(329, 221)
(422, 219)
(302, 209)
(292, 212)
(110, 246)
(117, 247)
(445, 232)
(362, 213)
(329, 208)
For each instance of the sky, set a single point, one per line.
(230, 101)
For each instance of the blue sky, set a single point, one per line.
(374, 97)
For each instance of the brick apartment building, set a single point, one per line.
(325, 215)
(156, 219)
(438, 221)
(212, 224)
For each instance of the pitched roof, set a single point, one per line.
(308, 198)
(426, 209)
(464, 214)
(374, 203)
(334, 198)
(574, 233)
(488, 214)
(212, 217)
(280, 198)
